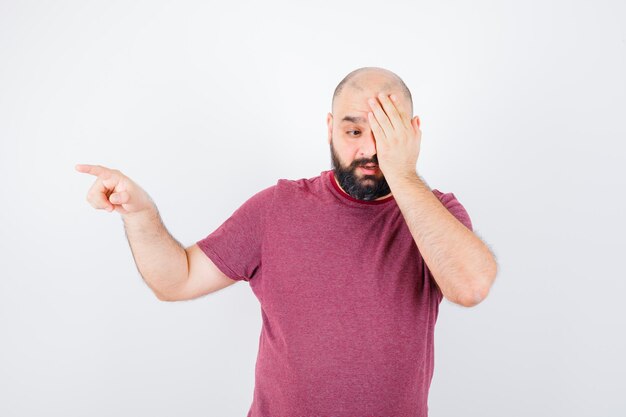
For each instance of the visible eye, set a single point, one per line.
(357, 132)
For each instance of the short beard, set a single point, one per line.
(353, 185)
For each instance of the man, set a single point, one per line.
(349, 266)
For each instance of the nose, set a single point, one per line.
(368, 146)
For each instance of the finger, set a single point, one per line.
(110, 177)
(97, 196)
(379, 134)
(381, 117)
(121, 197)
(97, 170)
(391, 112)
(405, 118)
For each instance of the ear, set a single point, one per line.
(416, 121)
(329, 123)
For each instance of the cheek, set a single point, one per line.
(347, 149)
(344, 150)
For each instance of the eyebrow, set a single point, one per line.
(354, 119)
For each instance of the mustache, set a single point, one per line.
(356, 164)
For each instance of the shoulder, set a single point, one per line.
(311, 184)
(455, 207)
(260, 199)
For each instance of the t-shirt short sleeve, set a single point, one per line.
(235, 246)
(456, 208)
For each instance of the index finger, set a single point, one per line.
(393, 112)
(405, 117)
(96, 170)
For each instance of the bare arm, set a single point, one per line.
(171, 271)
(461, 264)
(204, 277)
(160, 258)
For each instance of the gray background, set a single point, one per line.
(522, 107)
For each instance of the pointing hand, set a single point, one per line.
(112, 190)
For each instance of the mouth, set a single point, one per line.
(369, 168)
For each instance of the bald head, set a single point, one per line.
(361, 79)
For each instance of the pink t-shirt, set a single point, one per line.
(348, 304)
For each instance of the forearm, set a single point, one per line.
(461, 264)
(160, 259)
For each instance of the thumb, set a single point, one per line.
(121, 197)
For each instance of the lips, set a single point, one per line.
(369, 166)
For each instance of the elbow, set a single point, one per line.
(474, 297)
(162, 296)
(476, 293)
(479, 291)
